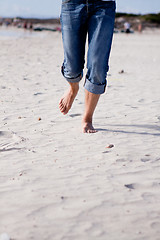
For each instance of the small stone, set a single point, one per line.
(122, 71)
(110, 146)
(39, 119)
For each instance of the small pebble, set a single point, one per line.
(110, 146)
(39, 119)
(122, 71)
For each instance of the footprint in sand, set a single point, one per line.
(38, 93)
(149, 197)
(130, 186)
(9, 141)
(155, 226)
(145, 159)
(157, 159)
(158, 117)
(141, 100)
(121, 160)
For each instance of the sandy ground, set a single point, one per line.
(57, 183)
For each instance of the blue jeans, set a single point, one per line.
(95, 18)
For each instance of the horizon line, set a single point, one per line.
(57, 17)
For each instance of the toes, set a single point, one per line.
(66, 101)
(62, 107)
(91, 131)
(61, 102)
(88, 128)
(65, 111)
(67, 108)
(84, 130)
(94, 130)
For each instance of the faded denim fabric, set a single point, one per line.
(95, 18)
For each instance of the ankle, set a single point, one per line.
(87, 119)
(74, 87)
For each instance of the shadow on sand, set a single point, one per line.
(145, 127)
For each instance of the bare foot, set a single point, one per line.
(87, 127)
(91, 101)
(66, 101)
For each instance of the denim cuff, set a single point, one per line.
(93, 88)
(72, 80)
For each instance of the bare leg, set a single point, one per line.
(91, 101)
(66, 101)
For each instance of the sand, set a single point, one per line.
(57, 183)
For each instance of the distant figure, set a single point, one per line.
(15, 22)
(25, 25)
(7, 22)
(58, 29)
(127, 27)
(30, 26)
(140, 27)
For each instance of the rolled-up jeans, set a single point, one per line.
(95, 18)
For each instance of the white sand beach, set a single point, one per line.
(57, 183)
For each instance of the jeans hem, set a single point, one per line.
(93, 88)
(72, 80)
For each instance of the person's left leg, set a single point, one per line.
(91, 101)
(100, 32)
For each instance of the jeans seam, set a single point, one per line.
(87, 6)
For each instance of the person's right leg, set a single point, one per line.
(67, 99)
(74, 31)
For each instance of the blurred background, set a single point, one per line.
(51, 8)
(139, 13)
